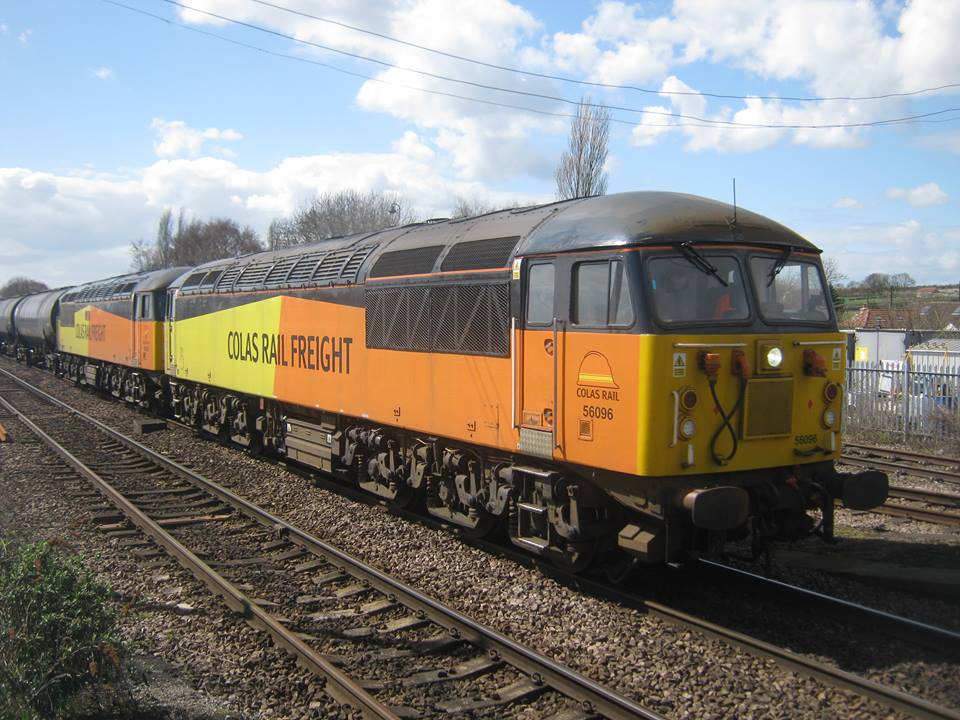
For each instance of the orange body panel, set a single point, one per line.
(101, 335)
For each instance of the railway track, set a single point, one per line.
(292, 539)
(935, 467)
(313, 591)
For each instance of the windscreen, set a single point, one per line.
(707, 289)
(790, 290)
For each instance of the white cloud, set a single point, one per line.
(824, 47)
(692, 106)
(175, 138)
(931, 256)
(3, 28)
(24, 37)
(847, 202)
(103, 73)
(920, 196)
(828, 47)
(73, 219)
(949, 141)
(482, 141)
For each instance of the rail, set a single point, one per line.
(591, 695)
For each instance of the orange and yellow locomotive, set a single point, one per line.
(635, 376)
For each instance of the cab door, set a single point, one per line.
(169, 318)
(541, 341)
(143, 330)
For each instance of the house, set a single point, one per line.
(897, 318)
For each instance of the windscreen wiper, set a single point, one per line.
(700, 262)
(778, 265)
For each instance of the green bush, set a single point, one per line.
(57, 631)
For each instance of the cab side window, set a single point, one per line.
(601, 296)
(540, 284)
(145, 307)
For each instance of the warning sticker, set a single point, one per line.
(679, 364)
(837, 357)
(516, 268)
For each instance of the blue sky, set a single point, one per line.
(111, 116)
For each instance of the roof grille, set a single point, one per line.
(415, 261)
(328, 270)
(278, 273)
(480, 254)
(225, 283)
(303, 270)
(252, 276)
(352, 268)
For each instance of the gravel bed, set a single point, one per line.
(676, 672)
(233, 671)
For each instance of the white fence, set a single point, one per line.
(917, 400)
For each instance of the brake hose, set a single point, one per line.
(725, 425)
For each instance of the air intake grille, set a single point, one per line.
(352, 268)
(463, 319)
(415, 261)
(479, 254)
(278, 273)
(225, 283)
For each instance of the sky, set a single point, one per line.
(115, 110)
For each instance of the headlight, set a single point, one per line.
(687, 428)
(774, 357)
(829, 418)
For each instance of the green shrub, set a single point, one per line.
(57, 631)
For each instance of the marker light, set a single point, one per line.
(829, 418)
(688, 399)
(774, 357)
(688, 428)
(830, 391)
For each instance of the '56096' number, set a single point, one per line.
(597, 412)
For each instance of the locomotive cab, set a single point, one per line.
(698, 383)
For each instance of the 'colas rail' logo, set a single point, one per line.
(595, 378)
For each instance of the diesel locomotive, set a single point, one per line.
(638, 376)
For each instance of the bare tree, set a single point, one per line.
(197, 242)
(21, 286)
(902, 280)
(580, 172)
(876, 282)
(341, 213)
(471, 207)
(192, 243)
(146, 256)
(831, 268)
(143, 256)
(282, 233)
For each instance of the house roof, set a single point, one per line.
(870, 319)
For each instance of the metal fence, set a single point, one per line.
(917, 400)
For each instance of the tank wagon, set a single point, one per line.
(35, 327)
(111, 335)
(634, 376)
(7, 335)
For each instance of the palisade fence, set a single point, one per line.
(918, 400)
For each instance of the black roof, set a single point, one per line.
(123, 286)
(624, 219)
